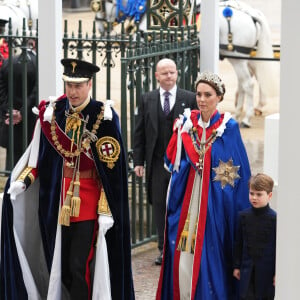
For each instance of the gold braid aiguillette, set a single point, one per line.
(103, 207)
(75, 200)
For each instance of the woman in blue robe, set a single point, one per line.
(209, 185)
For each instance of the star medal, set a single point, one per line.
(226, 173)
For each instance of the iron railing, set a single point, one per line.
(18, 44)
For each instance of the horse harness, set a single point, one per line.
(99, 6)
(230, 46)
(30, 20)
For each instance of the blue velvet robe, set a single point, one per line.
(212, 267)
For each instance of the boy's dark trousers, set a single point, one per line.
(251, 291)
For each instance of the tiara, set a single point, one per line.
(213, 78)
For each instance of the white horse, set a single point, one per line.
(246, 29)
(18, 10)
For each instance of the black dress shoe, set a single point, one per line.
(158, 260)
(244, 125)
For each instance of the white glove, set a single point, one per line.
(105, 222)
(188, 123)
(107, 109)
(16, 188)
(50, 108)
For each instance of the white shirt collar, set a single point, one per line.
(172, 91)
(202, 123)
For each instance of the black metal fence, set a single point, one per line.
(17, 45)
(127, 65)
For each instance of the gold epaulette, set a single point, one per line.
(103, 207)
(26, 173)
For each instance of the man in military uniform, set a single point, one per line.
(72, 175)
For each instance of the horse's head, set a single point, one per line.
(105, 11)
(15, 14)
(18, 10)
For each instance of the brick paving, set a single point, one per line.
(145, 272)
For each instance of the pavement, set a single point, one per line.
(145, 272)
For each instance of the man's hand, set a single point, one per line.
(237, 274)
(16, 115)
(16, 188)
(139, 171)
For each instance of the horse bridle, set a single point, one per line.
(230, 46)
(96, 5)
(99, 6)
(30, 20)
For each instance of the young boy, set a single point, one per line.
(255, 243)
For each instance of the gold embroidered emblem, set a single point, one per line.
(108, 150)
(74, 64)
(226, 173)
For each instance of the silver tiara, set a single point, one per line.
(211, 77)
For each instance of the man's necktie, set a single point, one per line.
(167, 103)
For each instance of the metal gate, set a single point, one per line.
(138, 68)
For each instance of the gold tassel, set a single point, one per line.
(194, 238)
(75, 201)
(103, 207)
(75, 207)
(183, 241)
(64, 218)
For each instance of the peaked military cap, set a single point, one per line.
(77, 71)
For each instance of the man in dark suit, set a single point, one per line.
(18, 100)
(153, 130)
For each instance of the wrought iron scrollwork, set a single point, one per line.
(170, 14)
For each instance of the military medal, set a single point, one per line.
(108, 150)
(226, 173)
